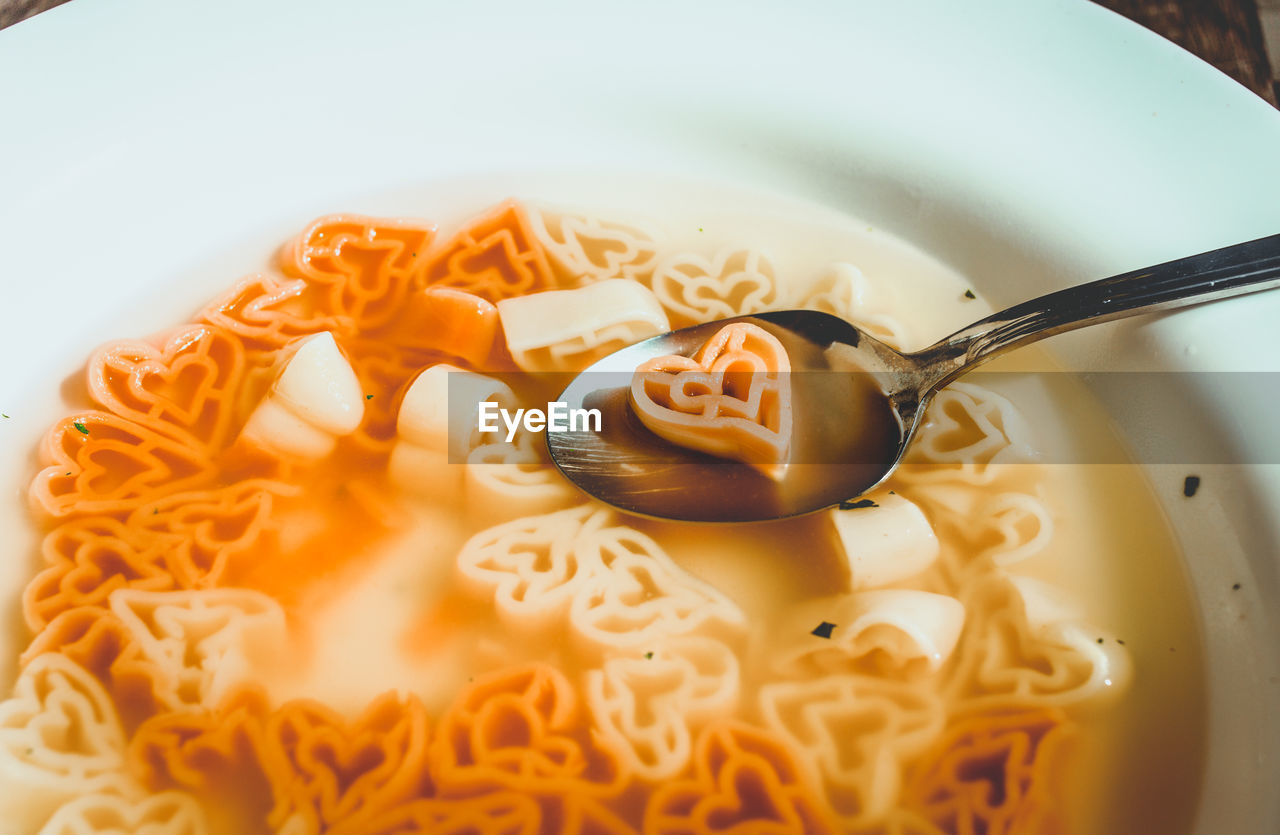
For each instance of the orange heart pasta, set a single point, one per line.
(340, 774)
(495, 257)
(183, 388)
(361, 267)
(989, 774)
(268, 311)
(287, 584)
(88, 559)
(101, 463)
(743, 778)
(732, 398)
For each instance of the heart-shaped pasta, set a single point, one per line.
(648, 706)
(495, 256)
(842, 290)
(90, 558)
(362, 267)
(968, 424)
(994, 772)
(584, 248)
(385, 371)
(638, 596)
(165, 813)
(522, 729)
(103, 463)
(205, 532)
(529, 567)
(494, 813)
(731, 399)
(735, 282)
(857, 734)
(744, 780)
(202, 643)
(269, 311)
(1027, 647)
(185, 388)
(220, 756)
(60, 738)
(504, 481)
(343, 773)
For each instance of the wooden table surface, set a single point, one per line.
(1230, 34)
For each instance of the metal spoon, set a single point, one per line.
(858, 403)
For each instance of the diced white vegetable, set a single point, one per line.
(886, 543)
(319, 386)
(315, 399)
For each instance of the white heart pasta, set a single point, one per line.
(612, 586)
(735, 282)
(1020, 525)
(583, 248)
(971, 426)
(165, 813)
(648, 706)
(1028, 645)
(202, 643)
(504, 481)
(60, 738)
(856, 733)
(842, 290)
(529, 568)
(567, 330)
(639, 596)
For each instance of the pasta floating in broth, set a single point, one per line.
(289, 460)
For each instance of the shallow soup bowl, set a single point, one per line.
(1026, 146)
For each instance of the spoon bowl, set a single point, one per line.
(857, 403)
(842, 376)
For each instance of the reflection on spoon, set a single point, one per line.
(857, 403)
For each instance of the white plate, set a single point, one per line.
(1028, 144)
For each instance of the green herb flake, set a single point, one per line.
(3, 415)
(649, 654)
(368, 397)
(84, 430)
(858, 505)
(968, 294)
(823, 630)
(699, 228)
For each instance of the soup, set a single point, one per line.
(279, 591)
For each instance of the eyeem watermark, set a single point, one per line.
(557, 417)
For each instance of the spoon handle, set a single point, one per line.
(1219, 274)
